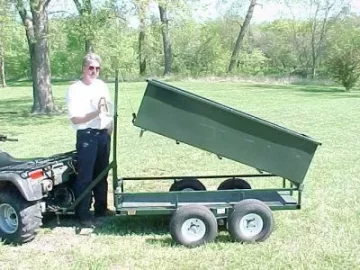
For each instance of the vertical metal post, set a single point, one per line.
(115, 177)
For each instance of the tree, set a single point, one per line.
(85, 10)
(320, 26)
(141, 8)
(166, 38)
(311, 37)
(36, 28)
(239, 40)
(275, 41)
(345, 67)
(165, 8)
(4, 20)
(343, 62)
(2, 66)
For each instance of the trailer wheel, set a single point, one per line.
(19, 219)
(250, 221)
(187, 185)
(234, 183)
(193, 225)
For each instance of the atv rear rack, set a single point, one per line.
(40, 163)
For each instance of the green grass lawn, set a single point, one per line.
(325, 234)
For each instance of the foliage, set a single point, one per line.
(253, 63)
(275, 41)
(344, 55)
(281, 47)
(344, 66)
(16, 52)
(201, 52)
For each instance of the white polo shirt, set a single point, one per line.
(82, 99)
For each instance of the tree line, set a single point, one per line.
(44, 47)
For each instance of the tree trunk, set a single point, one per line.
(36, 34)
(42, 59)
(89, 47)
(317, 45)
(313, 66)
(166, 40)
(36, 104)
(238, 44)
(141, 6)
(142, 57)
(30, 36)
(313, 43)
(2, 67)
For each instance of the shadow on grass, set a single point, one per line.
(312, 90)
(139, 225)
(16, 105)
(28, 83)
(19, 83)
(302, 88)
(154, 228)
(221, 238)
(318, 89)
(18, 113)
(117, 225)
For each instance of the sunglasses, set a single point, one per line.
(92, 68)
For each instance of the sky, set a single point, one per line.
(270, 10)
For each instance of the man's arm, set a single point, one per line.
(74, 109)
(86, 118)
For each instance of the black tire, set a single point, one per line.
(199, 218)
(234, 183)
(19, 219)
(256, 212)
(187, 185)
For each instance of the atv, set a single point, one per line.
(29, 188)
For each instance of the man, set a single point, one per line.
(87, 100)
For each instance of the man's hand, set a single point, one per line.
(102, 106)
(110, 129)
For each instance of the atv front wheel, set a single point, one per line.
(19, 219)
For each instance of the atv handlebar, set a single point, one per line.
(4, 138)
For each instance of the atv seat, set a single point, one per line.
(7, 160)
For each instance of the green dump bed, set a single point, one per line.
(213, 127)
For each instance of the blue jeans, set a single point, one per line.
(93, 151)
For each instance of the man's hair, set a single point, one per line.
(91, 57)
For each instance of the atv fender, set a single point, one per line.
(31, 191)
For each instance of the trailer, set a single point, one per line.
(272, 150)
(195, 211)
